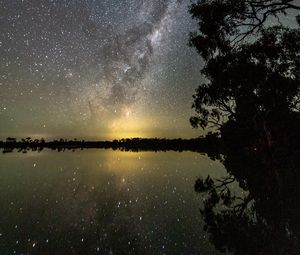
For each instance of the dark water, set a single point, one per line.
(103, 202)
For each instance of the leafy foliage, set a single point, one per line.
(253, 77)
(257, 80)
(225, 24)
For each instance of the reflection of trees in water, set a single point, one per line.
(263, 220)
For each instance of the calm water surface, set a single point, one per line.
(103, 202)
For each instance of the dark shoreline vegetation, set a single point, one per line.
(252, 97)
(209, 144)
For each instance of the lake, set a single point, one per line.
(103, 202)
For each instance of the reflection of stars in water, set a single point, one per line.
(127, 199)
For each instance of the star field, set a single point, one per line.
(96, 69)
(106, 202)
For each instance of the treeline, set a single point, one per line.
(201, 144)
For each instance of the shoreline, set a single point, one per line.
(202, 144)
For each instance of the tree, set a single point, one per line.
(225, 24)
(11, 139)
(259, 80)
(257, 76)
(252, 98)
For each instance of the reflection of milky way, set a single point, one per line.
(86, 65)
(103, 202)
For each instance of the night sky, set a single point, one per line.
(97, 69)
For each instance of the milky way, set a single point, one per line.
(96, 68)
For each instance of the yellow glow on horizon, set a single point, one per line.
(128, 126)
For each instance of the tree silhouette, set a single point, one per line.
(252, 99)
(256, 82)
(260, 78)
(225, 24)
